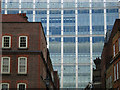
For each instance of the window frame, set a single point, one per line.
(119, 44)
(26, 42)
(19, 84)
(117, 77)
(3, 41)
(5, 83)
(114, 50)
(115, 73)
(25, 65)
(2, 65)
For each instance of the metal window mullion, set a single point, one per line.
(19, 6)
(105, 22)
(91, 62)
(33, 10)
(61, 43)
(47, 23)
(5, 6)
(76, 31)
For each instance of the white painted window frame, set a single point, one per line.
(114, 72)
(114, 50)
(117, 70)
(19, 84)
(26, 41)
(119, 44)
(3, 41)
(25, 65)
(2, 66)
(4, 83)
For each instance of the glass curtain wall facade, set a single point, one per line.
(75, 31)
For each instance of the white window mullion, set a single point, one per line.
(119, 43)
(22, 65)
(117, 72)
(6, 41)
(114, 50)
(114, 73)
(5, 65)
(5, 86)
(21, 86)
(23, 42)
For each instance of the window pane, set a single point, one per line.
(4, 86)
(21, 87)
(119, 44)
(6, 41)
(23, 42)
(22, 65)
(5, 65)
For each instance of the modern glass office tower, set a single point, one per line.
(75, 31)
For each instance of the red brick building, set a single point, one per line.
(110, 59)
(25, 61)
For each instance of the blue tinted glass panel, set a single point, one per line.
(83, 11)
(69, 45)
(98, 11)
(27, 11)
(69, 79)
(3, 12)
(84, 69)
(55, 30)
(83, 30)
(40, 4)
(27, 5)
(55, 4)
(97, 4)
(97, 44)
(69, 19)
(83, 45)
(69, 39)
(83, 39)
(109, 27)
(83, 4)
(69, 5)
(40, 12)
(98, 17)
(69, 30)
(112, 10)
(45, 29)
(55, 20)
(3, 4)
(69, 11)
(69, 58)
(55, 12)
(54, 39)
(3, 0)
(55, 45)
(44, 20)
(84, 58)
(13, 5)
(84, 21)
(98, 29)
(97, 39)
(112, 4)
(111, 17)
(30, 19)
(12, 11)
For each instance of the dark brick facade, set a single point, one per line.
(97, 74)
(38, 60)
(109, 60)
